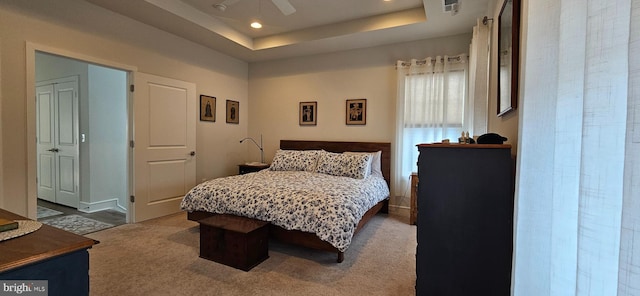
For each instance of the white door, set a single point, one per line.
(46, 176)
(57, 141)
(164, 144)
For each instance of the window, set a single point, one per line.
(432, 97)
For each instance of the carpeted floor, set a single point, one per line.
(160, 257)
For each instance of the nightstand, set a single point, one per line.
(246, 168)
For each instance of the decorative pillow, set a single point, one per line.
(376, 164)
(295, 160)
(357, 166)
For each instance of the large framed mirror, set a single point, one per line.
(508, 56)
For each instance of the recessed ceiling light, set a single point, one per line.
(256, 25)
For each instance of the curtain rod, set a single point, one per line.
(433, 60)
(485, 20)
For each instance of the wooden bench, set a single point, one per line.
(238, 242)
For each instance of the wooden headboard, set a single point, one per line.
(339, 147)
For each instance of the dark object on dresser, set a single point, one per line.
(465, 226)
(238, 242)
(491, 138)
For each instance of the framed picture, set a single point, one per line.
(357, 112)
(308, 113)
(233, 111)
(207, 108)
(508, 56)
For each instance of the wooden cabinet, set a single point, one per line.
(50, 254)
(235, 241)
(465, 226)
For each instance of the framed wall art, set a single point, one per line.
(308, 113)
(233, 111)
(508, 56)
(207, 108)
(356, 112)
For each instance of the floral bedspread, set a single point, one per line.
(326, 205)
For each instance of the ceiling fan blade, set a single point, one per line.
(285, 7)
(222, 6)
(228, 2)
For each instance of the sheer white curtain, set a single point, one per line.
(578, 191)
(431, 102)
(479, 79)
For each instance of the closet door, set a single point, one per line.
(57, 141)
(47, 177)
(66, 143)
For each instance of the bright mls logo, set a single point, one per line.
(24, 288)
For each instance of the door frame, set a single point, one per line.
(31, 49)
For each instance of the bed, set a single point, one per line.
(283, 196)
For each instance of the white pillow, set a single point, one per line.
(357, 166)
(295, 160)
(376, 162)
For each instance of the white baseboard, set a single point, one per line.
(121, 209)
(92, 207)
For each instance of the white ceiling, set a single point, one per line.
(317, 26)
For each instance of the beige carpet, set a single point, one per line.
(160, 257)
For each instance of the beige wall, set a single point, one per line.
(89, 31)
(268, 92)
(1, 161)
(276, 88)
(506, 125)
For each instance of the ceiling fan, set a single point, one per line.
(285, 7)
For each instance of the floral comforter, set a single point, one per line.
(326, 205)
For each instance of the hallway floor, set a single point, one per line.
(107, 216)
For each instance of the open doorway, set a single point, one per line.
(93, 182)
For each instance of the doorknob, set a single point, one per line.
(193, 153)
(54, 150)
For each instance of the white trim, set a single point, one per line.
(30, 55)
(32, 47)
(92, 207)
